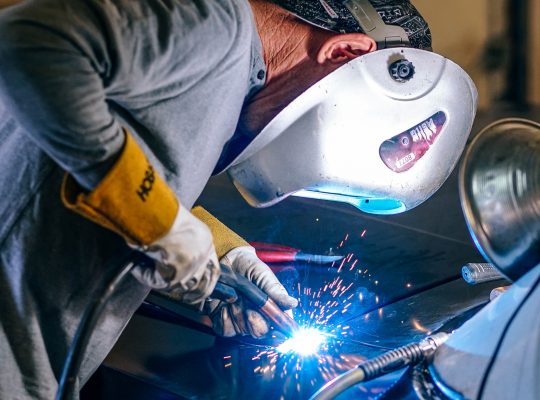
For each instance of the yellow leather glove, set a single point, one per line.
(225, 239)
(135, 202)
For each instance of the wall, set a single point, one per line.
(5, 3)
(534, 65)
(463, 28)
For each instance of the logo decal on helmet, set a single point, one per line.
(329, 10)
(402, 151)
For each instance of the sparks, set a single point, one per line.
(318, 351)
(306, 342)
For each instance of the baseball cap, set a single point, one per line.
(391, 23)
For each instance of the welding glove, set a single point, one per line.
(135, 202)
(238, 318)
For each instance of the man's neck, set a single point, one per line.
(283, 39)
(290, 49)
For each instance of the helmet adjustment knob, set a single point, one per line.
(401, 70)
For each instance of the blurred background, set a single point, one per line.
(496, 41)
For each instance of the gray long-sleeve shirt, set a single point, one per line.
(72, 72)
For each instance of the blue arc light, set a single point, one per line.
(305, 342)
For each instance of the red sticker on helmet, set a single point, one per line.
(402, 151)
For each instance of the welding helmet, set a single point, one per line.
(499, 186)
(382, 132)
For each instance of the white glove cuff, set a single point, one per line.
(229, 258)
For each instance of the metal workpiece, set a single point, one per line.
(384, 149)
(475, 273)
(393, 360)
(190, 363)
(442, 307)
(500, 194)
(405, 285)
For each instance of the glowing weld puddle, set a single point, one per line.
(305, 342)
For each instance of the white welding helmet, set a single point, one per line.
(382, 132)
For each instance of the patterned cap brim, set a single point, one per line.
(333, 15)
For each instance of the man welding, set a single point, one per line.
(113, 116)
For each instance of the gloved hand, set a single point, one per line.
(238, 318)
(134, 201)
(186, 262)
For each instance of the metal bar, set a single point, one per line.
(475, 273)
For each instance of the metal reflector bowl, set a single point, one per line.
(500, 194)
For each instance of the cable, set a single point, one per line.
(91, 316)
(381, 365)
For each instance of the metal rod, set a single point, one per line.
(475, 273)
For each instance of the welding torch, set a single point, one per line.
(231, 284)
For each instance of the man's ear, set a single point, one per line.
(344, 47)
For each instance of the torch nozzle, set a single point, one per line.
(282, 321)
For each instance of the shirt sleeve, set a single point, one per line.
(52, 76)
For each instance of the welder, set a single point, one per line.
(113, 116)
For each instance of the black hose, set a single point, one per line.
(390, 361)
(89, 320)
